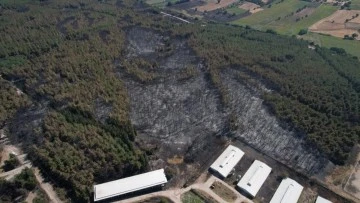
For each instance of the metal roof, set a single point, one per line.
(289, 191)
(130, 184)
(322, 200)
(227, 160)
(254, 177)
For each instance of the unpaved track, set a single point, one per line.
(175, 194)
(10, 174)
(46, 187)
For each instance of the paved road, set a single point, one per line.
(175, 194)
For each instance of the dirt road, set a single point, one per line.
(175, 194)
(46, 187)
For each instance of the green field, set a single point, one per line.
(355, 5)
(290, 26)
(261, 20)
(191, 197)
(236, 10)
(351, 46)
(159, 3)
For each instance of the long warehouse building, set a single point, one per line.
(322, 200)
(227, 161)
(130, 184)
(254, 178)
(289, 191)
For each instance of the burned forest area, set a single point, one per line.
(95, 91)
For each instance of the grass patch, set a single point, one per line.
(160, 3)
(191, 197)
(351, 46)
(355, 5)
(236, 10)
(262, 19)
(224, 192)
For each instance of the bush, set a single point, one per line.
(26, 179)
(11, 163)
(303, 31)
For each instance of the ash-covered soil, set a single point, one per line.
(184, 117)
(264, 132)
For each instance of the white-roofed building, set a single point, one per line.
(227, 161)
(289, 191)
(254, 178)
(130, 184)
(322, 200)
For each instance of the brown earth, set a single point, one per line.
(340, 23)
(249, 6)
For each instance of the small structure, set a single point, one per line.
(322, 200)
(289, 191)
(227, 161)
(254, 178)
(130, 184)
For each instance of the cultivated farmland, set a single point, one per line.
(251, 7)
(342, 22)
(355, 5)
(236, 10)
(213, 5)
(351, 46)
(261, 20)
(298, 15)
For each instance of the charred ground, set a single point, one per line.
(110, 91)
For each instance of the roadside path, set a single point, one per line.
(181, 19)
(175, 194)
(45, 186)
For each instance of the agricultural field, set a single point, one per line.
(262, 20)
(236, 10)
(213, 5)
(355, 5)
(251, 7)
(351, 46)
(299, 15)
(339, 24)
(160, 3)
(302, 20)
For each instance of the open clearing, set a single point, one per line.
(251, 7)
(351, 46)
(213, 5)
(236, 10)
(191, 197)
(342, 22)
(355, 5)
(261, 20)
(307, 17)
(289, 22)
(224, 192)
